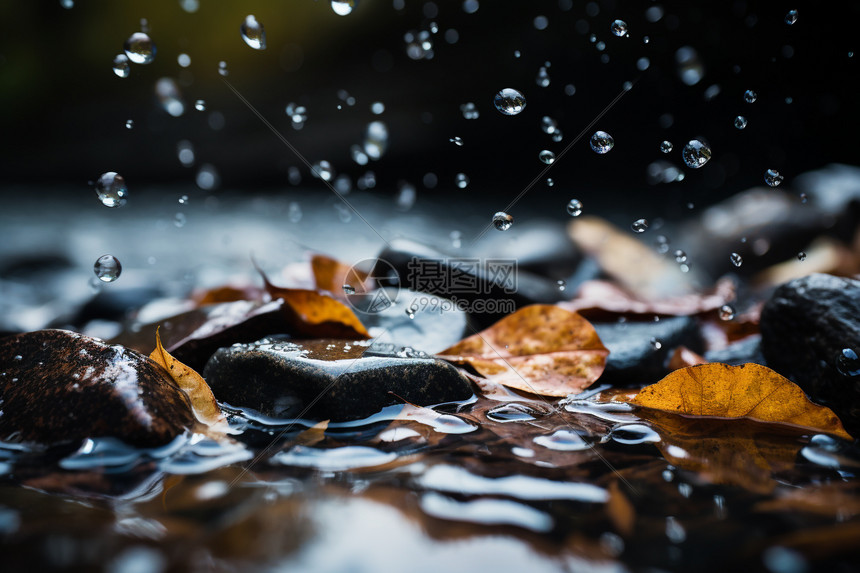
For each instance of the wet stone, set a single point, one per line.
(806, 326)
(61, 387)
(332, 379)
(639, 351)
(740, 352)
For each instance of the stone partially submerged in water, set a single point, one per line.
(334, 379)
(58, 387)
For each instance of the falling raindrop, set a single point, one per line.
(180, 219)
(696, 154)
(111, 189)
(801, 256)
(253, 33)
(343, 7)
(561, 285)
(222, 68)
(680, 256)
(690, 67)
(791, 17)
(549, 182)
(639, 225)
(548, 125)
(139, 48)
(542, 78)
(727, 312)
(185, 152)
(666, 146)
(643, 64)
(184, 60)
(294, 212)
(510, 101)
(183, 200)
(619, 28)
(169, 96)
(502, 221)
(773, 178)
(323, 170)
(200, 105)
(656, 343)
(602, 142)
(208, 178)
(377, 108)
(547, 156)
(107, 268)
(458, 141)
(67, 4)
(120, 66)
(375, 140)
(129, 124)
(462, 180)
(470, 110)
(736, 259)
(574, 208)
(740, 122)
(750, 96)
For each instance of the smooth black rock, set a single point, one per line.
(58, 386)
(116, 303)
(639, 351)
(745, 350)
(805, 326)
(329, 379)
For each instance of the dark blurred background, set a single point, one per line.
(64, 110)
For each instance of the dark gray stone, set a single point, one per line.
(58, 387)
(639, 351)
(740, 352)
(805, 326)
(329, 379)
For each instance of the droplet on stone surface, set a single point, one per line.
(619, 28)
(727, 312)
(574, 208)
(343, 7)
(111, 189)
(253, 32)
(107, 268)
(547, 156)
(696, 153)
(639, 226)
(502, 221)
(666, 146)
(601, 142)
(736, 259)
(740, 122)
(121, 66)
(773, 178)
(510, 101)
(139, 48)
(750, 96)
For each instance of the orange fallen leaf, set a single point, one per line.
(202, 400)
(542, 349)
(747, 391)
(226, 293)
(331, 275)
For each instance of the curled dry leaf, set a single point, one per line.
(542, 349)
(747, 391)
(202, 400)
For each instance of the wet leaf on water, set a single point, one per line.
(203, 403)
(331, 275)
(620, 510)
(748, 391)
(311, 436)
(834, 499)
(541, 349)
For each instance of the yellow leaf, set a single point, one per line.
(542, 349)
(747, 391)
(203, 403)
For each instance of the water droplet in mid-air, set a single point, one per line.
(323, 170)
(740, 122)
(502, 221)
(791, 17)
(750, 96)
(462, 180)
(510, 101)
(801, 256)
(222, 68)
(183, 200)
(129, 124)
(666, 146)
(680, 256)
(602, 142)
(736, 259)
(847, 363)
(107, 268)
(696, 153)
(120, 66)
(458, 141)
(619, 28)
(656, 343)
(180, 219)
(542, 79)
(561, 285)
(200, 105)
(574, 208)
(548, 125)
(253, 32)
(773, 178)
(111, 189)
(547, 156)
(470, 110)
(139, 48)
(690, 67)
(169, 96)
(343, 7)
(727, 312)
(639, 225)
(348, 289)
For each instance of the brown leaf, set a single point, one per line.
(226, 293)
(684, 357)
(542, 349)
(620, 510)
(203, 403)
(331, 275)
(312, 436)
(746, 391)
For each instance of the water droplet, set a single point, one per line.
(727, 312)
(129, 124)
(736, 259)
(561, 285)
(343, 7)
(666, 146)
(602, 142)
(801, 256)
(696, 154)
(180, 219)
(323, 170)
(222, 68)
(557, 136)
(462, 180)
(569, 89)
(348, 289)
(470, 110)
(547, 156)
(510, 101)
(458, 141)
(740, 122)
(791, 17)
(619, 28)
(773, 178)
(410, 313)
(111, 189)
(574, 208)
(675, 531)
(184, 60)
(549, 182)
(207, 178)
(169, 96)
(456, 239)
(253, 33)
(542, 78)
(294, 212)
(139, 48)
(67, 4)
(121, 66)
(804, 198)
(377, 108)
(548, 125)
(656, 343)
(502, 221)
(185, 152)
(639, 225)
(680, 256)
(183, 200)
(690, 67)
(107, 268)
(298, 115)
(750, 96)
(375, 140)
(847, 363)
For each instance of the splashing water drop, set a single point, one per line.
(502, 221)
(791, 17)
(107, 268)
(750, 96)
(740, 122)
(601, 142)
(727, 312)
(639, 226)
(111, 189)
(510, 101)
(574, 208)
(666, 146)
(547, 156)
(253, 32)
(696, 154)
(773, 178)
(619, 28)
(458, 141)
(343, 7)
(120, 66)
(736, 259)
(139, 48)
